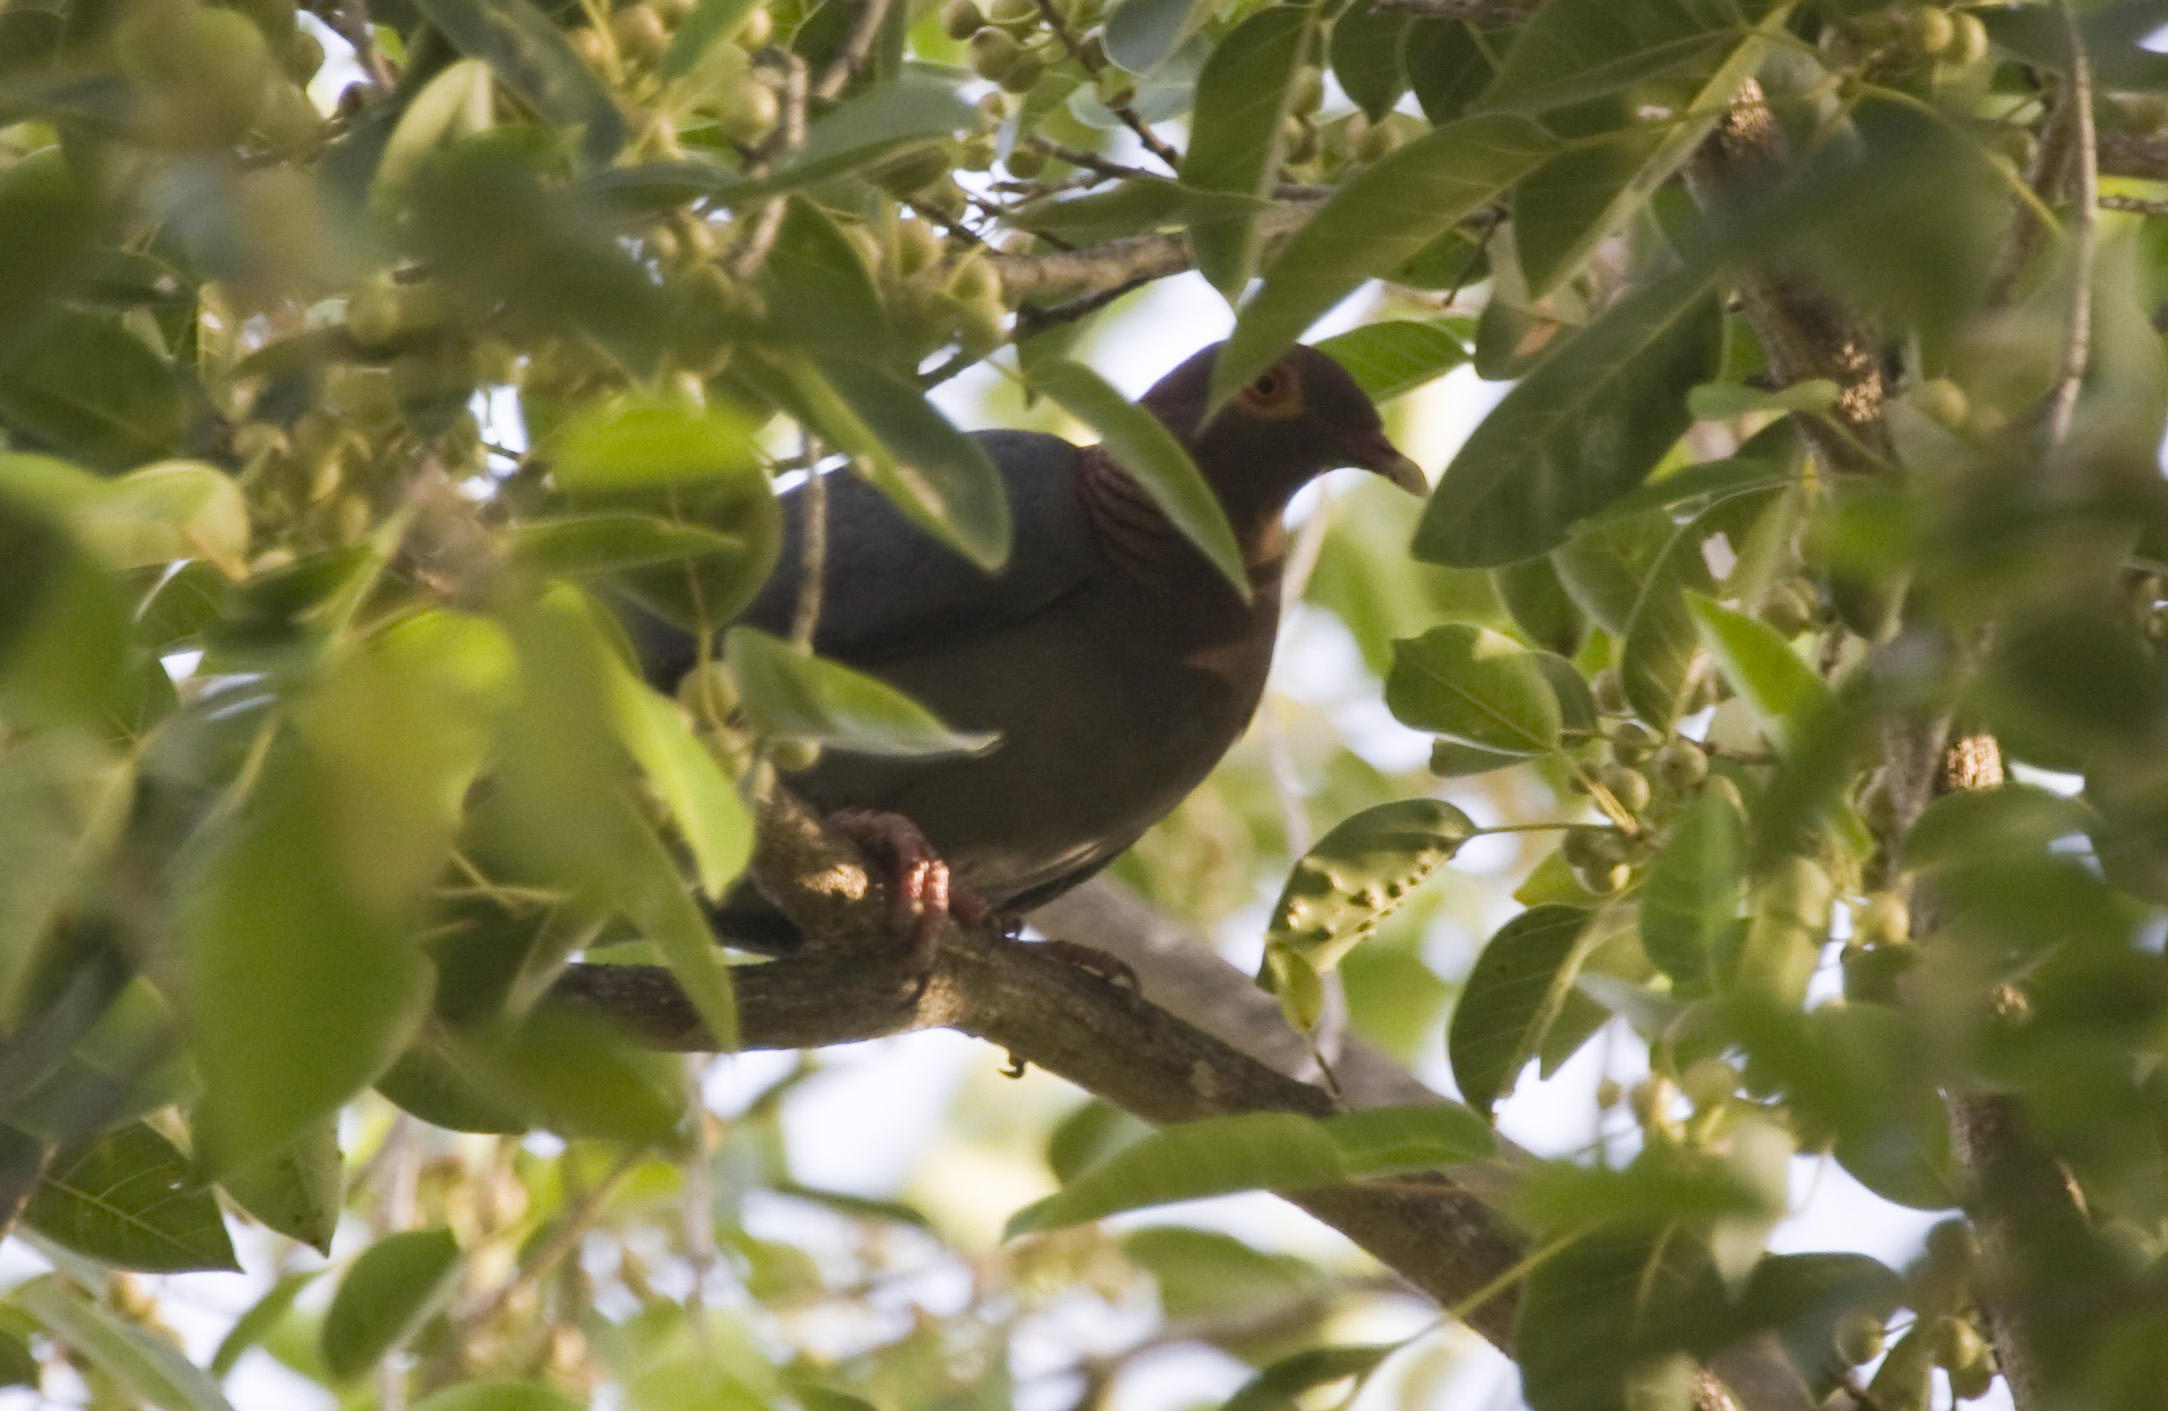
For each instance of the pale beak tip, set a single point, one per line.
(1375, 452)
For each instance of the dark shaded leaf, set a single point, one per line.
(144, 1364)
(387, 1294)
(296, 1191)
(89, 388)
(1693, 890)
(1280, 1386)
(1365, 50)
(1399, 355)
(534, 59)
(1237, 133)
(792, 695)
(1656, 658)
(127, 1200)
(1511, 997)
(1575, 50)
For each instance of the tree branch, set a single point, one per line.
(1067, 274)
(2139, 154)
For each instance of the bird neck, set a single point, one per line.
(1144, 543)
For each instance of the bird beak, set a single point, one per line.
(1375, 451)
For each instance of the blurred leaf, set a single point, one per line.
(1376, 221)
(1359, 873)
(1575, 50)
(1700, 481)
(577, 1077)
(1475, 686)
(1237, 135)
(89, 388)
(1254, 1151)
(1906, 1379)
(1366, 49)
(701, 800)
(296, 1191)
(297, 991)
(1782, 690)
(1140, 33)
(1656, 658)
(534, 59)
(45, 226)
(1149, 454)
(1541, 607)
(63, 801)
(940, 477)
(1450, 759)
(1991, 827)
(1398, 355)
(789, 694)
(1376, 1140)
(638, 443)
(127, 1200)
(457, 102)
(589, 545)
(1203, 1272)
(253, 1326)
(498, 1396)
(145, 1365)
(1584, 427)
(700, 594)
(18, 1368)
(1787, 923)
(1449, 64)
(1279, 1387)
(710, 22)
(1597, 1315)
(1511, 997)
(385, 1297)
(441, 1085)
(1095, 1129)
(1691, 894)
(1722, 401)
(819, 289)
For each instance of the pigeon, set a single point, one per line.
(1115, 664)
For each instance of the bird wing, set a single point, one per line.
(890, 589)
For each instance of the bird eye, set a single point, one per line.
(1266, 386)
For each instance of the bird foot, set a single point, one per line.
(920, 890)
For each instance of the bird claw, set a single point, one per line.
(920, 890)
(1110, 970)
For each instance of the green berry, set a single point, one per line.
(641, 35)
(960, 19)
(758, 28)
(1957, 1343)
(1970, 43)
(1680, 766)
(1929, 30)
(1943, 402)
(1609, 689)
(1626, 784)
(1025, 161)
(1860, 1336)
(993, 54)
(1790, 606)
(1308, 94)
(1633, 742)
(1883, 921)
(1709, 1083)
(1603, 880)
(1025, 76)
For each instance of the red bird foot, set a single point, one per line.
(920, 890)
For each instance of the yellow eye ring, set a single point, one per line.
(1275, 393)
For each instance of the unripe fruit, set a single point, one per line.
(1679, 766)
(1929, 30)
(1883, 921)
(640, 34)
(1025, 162)
(975, 282)
(960, 19)
(1860, 1337)
(1952, 1245)
(747, 111)
(1957, 1343)
(207, 71)
(1629, 786)
(975, 153)
(1609, 689)
(1608, 1094)
(1603, 881)
(790, 756)
(373, 314)
(588, 43)
(1309, 92)
(674, 12)
(1632, 741)
(1970, 43)
(1377, 141)
(1943, 402)
(1709, 1082)
(1789, 606)
(918, 245)
(1974, 1379)
(983, 328)
(2141, 112)
(1024, 76)
(1650, 1099)
(993, 109)
(758, 29)
(301, 56)
(1586, 847)
(993, 54)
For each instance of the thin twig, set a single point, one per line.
(2136, 205)
(543, 1257)
(812, 550)
(854, 51)
(788, 137)
(1091, 64)
(2077, 347)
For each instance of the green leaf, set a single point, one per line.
(1781, 690)
(1366, 57)
(789, 694)
(1585, 426)
(1787, 925)
(66, 800)
(1376, 1140)
(1541, 608)
(700, 799)
(940, 477)
(91, 389)
(819, 290)
(1656, 657)
(591, 545)
(499, 1395)
(1449, 64)
(46, 227)
(701, 593)
(1691, 894)
(18, 1368)
(145, 1366)
(1190, 1161)
(1359, 873)
(639, 443)
(1475, 686)
(1721, 401)
(1149, 454)
(1573, 50)
(127, 1200)
(457, 102)
(1279, 1387)
(297, 992)
(262, 1317)
(1141, 33)
(1203, 1272)
(167, 512)
(1512, 995)
(911, 107)
(386, 1296)
(1450, 759)
(1699, 481)
(710, 22)
(295, 1191)
(1399, 355)
(1374, 224)
(535, 60)
(1236, 135)
(577, 1077)
(440, 1084)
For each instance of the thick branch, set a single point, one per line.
(2139, 154)
(1066, 274)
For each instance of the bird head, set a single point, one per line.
(1300, 417)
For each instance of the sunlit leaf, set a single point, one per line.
(1475, 686)
(1149, 453)
(385, 1297)
(127, 1199)
(1693, 889)
(1192, 1160)
(499, 1396)
(1584, 427)
(1380, 218)
(1379, 1139)
(1656, 658)
(1780, 688)
(1514, 992)
(1279, 1386)
(791, 695)
(1399, 355)
(1359, 872)
(636, 444)
(1237, 134)
(146, 1365)
(295, 1191)
(533, 58)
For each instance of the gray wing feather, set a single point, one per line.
(889, 588)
